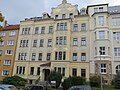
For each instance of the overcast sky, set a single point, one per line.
(16, 10)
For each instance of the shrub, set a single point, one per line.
(73, 81)
(116, 81)
(95, 81)
(55, 76)
(14, 80)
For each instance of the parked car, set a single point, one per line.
(80, 87)
(35, 87)
(7, 87)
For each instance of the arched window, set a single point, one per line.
(117, 68)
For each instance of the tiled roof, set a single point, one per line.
(11, 27)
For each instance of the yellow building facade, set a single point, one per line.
(8, 44)
(73, 42)
(58, 42)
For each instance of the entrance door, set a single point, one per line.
(46, 74)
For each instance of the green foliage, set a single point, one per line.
(116, 81)
(55, 76)
(14, 80)
(95, 81)
(73, 81)
(1, 17)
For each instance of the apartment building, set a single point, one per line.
(73, 42)
(8, 44)
(58, 42)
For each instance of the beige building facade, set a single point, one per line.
(71, 41)
(8, 44)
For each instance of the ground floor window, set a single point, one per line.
(117, 68)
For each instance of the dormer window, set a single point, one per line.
(83, 12)
(44, 16)
(63, 16)
(100, 9)
(95, 9)
(71, 15)
(56, 16)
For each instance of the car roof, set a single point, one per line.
(5, 85)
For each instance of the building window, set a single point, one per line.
(103, 68)
(62, 26)
(61, 40)
(118, 69)
(95, 9)
(83, 41)
(35, 43)
(38, 71)
(63, 16)
(117, 51)
(24, 43)
(12, 33)
(60, 55)
(95, 50)
(83, 56)
(102, 50)
(116, 35)
(1, 43)
(83, 26)
(33, 56)
(48, 56)
(43, 30)
(9, 52)
(26, 31)
(5, 72)
(41, 42)
(44, 16)
(75, 41)
(83, 72)
(71, 15)
(101, 20)
(116, 21)
(61, 70)
(36, 30)
(75, 56)
(101, 34)
(7, 62)
(94, 21)
(100, 9)
(49, 42)
(2, 33)
(40, 56)
(20, 70)
(10, 42)
(75, 27)
(56, 16)
(50, 29)
(0, 52)
(74, 72)
(22, 56)
(31, 70)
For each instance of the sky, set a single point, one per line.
(17, 10)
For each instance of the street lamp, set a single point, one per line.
(101, 88)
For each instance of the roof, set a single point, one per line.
(114, 9)
(11, 27)
(46, 64)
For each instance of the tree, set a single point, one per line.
(14, 80)
(116, 80)
(55, 76)
(1, 17)
(73, 81)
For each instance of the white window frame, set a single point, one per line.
(12, 33)
(10, 42)
(75, 41)
(101, 20)
(5, 72)
(101, 35)
(7, 62)
(9, 52)
(117, 52)
(2, 43)
(104, 68)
